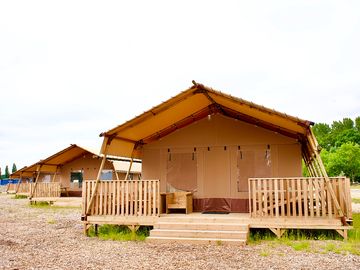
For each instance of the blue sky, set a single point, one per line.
(72, 69)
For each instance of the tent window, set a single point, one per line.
(76, 179)
(181, 172)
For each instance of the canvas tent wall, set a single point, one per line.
(214, 157)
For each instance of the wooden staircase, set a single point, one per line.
(203, 229)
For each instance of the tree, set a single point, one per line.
(14, 169)
(7, 174)
(0, 174)
(357, 123)
(344, 160)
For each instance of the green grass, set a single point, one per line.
(46, 205)
(120, 233)
(356, 186)
(264, 253)
(16, 197)
(355, 200)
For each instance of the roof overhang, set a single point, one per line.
(52, 163)
(192, 105)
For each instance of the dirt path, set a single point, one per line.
(33, 238)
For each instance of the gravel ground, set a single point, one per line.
(34, 238)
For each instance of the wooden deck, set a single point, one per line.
(276, 204)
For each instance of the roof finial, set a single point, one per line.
(194, 83)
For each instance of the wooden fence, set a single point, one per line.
(24, 188)
(123, 197)
(298, 197)
(45, 190)
(11, 188)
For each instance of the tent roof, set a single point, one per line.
(123, 166)
(51, 163)
(192, 105)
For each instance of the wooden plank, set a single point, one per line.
(276, 189)
(282, 196)
(83, 199)
(145, 197)
(141, 198)
(101, 186)
(329, 203)
(260, 201)
(154, 198)
(149, 198)
(113, 195)
(317, 201)
(265, 198)
(293, 197)
(136, 183)
(253, 184)
(158, 197)
(126, 198)
(341, 195)
(271, 197)
(250, 197)
(288, 203)
(306, 205)
(131, 199)
(348, 198)
(118, 202)
(122, 198)
(311, 191)
(323, 201)
(299, 197)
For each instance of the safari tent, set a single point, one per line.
(203, 153)
(61, 174)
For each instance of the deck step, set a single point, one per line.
(201, 226)
(200, 234)
(190, 240)
(202, 230)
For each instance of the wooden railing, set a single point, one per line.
(50, 189)
(123, 197)
(298, 197)
(23, 188)
(11, 188)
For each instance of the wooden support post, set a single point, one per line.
(128, 172)
(116, 175)
(343, 233)
(53, 179)
(18, 184)
(36, 181)
(96, 229)
(278, 232)
(96, 185)
(323, 173)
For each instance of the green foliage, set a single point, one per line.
(341, 147)
(344, 160)
(7, 174)
(14, 169)
(120, 233)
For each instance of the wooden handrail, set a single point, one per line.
(121, 197)
(299, 197)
